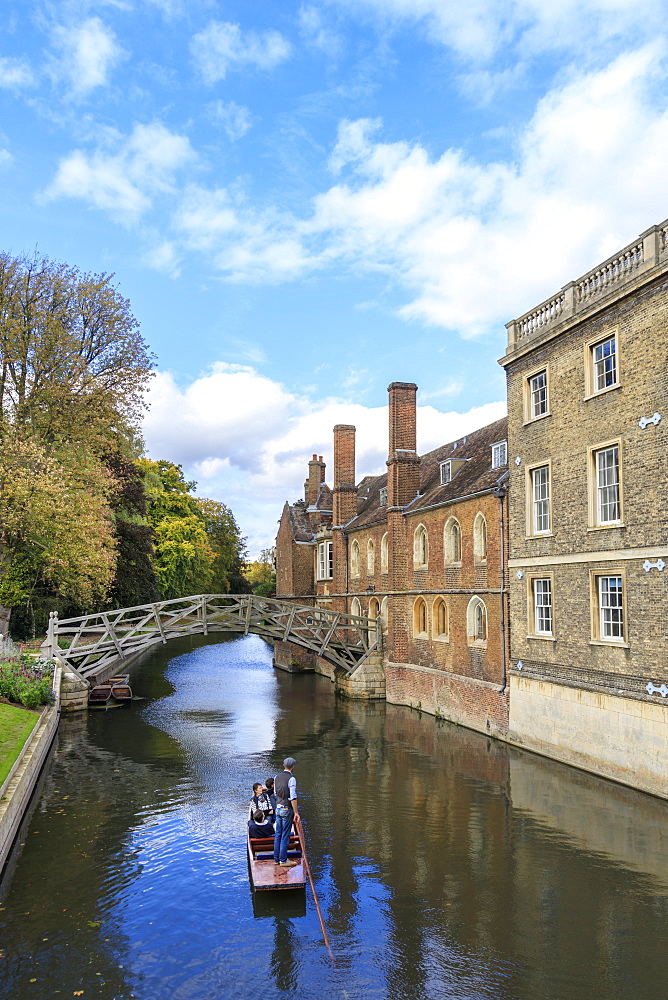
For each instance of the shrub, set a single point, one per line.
(26, 682)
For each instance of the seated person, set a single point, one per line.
(259, 800)
(269, 786)
(258, 826)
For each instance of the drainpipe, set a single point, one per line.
(500, 493)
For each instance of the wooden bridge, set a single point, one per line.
(96, 645)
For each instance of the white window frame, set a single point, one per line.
(325, 561)
(538, 395)
(609, 607)
(602, 368)
(499, 454)
(542, 623)
(355, 558)
(446, 472)
(420, 547)
(451, 526)
(384, 553)
(370, 557)
(439, 603)
(606, 483)
(480, 539)
(541, 499)
(476, 608)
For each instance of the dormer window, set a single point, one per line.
(383, 496)
(446, 472)
(499, 454)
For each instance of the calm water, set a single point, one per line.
(447, 865)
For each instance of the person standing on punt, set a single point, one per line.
(287, 810)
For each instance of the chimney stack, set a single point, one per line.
(345, 490)
(316, 476)
(403, 463)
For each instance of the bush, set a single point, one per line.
(27, 682)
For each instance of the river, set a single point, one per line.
(447, 864)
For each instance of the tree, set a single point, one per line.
(228, 545)
(73, 371)
(55, 525)
(261, 575)
(135, 580)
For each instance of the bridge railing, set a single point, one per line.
(92, 644)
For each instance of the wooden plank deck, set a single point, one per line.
(266, 875)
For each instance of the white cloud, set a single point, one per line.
(223, 46)
(473, 243)
(234, 118)
(15, 74)
(482, 29)
(124, 174)
(87, 54)
(5, 157)
(247, 440)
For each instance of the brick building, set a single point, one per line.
(421, 548)
(587, 375)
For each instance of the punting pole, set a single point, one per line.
(300, 834)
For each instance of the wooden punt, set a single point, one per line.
(120, 688)
(265, 875)
(99, 694)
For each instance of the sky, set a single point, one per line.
(306, 201)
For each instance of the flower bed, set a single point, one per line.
(26, 681)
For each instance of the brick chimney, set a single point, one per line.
(403, 463)
(345, 490)
(316, 476)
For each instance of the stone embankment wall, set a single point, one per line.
(17, 790)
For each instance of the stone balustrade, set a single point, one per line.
(602, 282)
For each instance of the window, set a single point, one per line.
(499, 454)
(374, 612)
(384, 553)
(355, 608)
(540, 500)
(325, 561)
(538, 394)
(452, 542)
(420, 546)
(605, 485)
(383, 614)
(480, 539)
(608, 608)
(601, 365)
(383, 496)
(476, 622)
(355, 558)
(446, 472)
(420, 618)
(440, 619)
(605, 364)
(370, 557)
(541, 588)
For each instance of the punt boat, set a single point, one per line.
(265, 875)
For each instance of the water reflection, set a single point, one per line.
(447, 864)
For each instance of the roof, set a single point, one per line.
(476, 476)
(299, 522)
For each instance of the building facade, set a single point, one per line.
(422, 550)
(587, 374)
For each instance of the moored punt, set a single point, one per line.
(265, 874)
(99, 694)
(120, 688)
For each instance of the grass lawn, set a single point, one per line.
(16, 724)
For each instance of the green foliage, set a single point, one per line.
(261, 575)
(26, 683)
(183, 557)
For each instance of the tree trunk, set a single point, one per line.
(5, 615)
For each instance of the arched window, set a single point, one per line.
(383, 614)
(420, 546)
(440, 618)
(420, 618)
(355, 607)
(374, 612)
(476, 621)
(370, 557)
(383, 553)
(480, 539)
(355, 558)
(452, 542)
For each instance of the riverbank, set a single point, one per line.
(25, 764)
(16, 725)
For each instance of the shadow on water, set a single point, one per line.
(447, 864)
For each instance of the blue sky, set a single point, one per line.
(306, 201)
